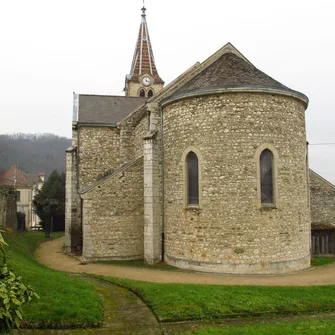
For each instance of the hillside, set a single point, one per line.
(33, 152)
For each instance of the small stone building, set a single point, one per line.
(208, 173)
(322, 199)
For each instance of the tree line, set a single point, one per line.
(33, 153)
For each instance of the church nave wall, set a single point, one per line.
(98, 153)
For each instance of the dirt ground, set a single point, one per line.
(50, 254)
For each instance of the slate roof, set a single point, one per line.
(102, 109)
(232, 71)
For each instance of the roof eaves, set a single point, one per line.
(322, 226)
(223, 89)
(195, 70)
(198, 67)
(71, 149)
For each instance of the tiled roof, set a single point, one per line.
(35, 177)
(143, 60)
(106, 108)
(22, 179)
(231, 71)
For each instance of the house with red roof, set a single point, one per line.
(26, 185)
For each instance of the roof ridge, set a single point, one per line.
(26, 181)
(197, 68)
(228, 68)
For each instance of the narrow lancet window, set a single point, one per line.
(150, 93)
(193, 178)
(142, 93)
(266, 174)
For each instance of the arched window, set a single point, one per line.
(192, 178)
(150, 93)
(142, 93)
(266, 176)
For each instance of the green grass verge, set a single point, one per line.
(308, 327)
(319, 260)
(316, 261)
(65, 301)
(177, 302)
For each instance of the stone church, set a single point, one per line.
(208, 173)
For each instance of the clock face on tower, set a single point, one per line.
(146, 81)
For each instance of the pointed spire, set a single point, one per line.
(143, 60)
(143, 10)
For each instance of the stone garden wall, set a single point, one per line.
(8, 216)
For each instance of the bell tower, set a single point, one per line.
(143, 80)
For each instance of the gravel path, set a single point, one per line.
(50, 254)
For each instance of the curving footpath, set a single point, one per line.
(124, 314)
(50, 254)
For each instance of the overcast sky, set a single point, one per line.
(51, 48)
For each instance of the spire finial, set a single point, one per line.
(143, 9)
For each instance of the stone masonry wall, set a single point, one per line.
(134, 89)
(98, 153)
(74, 137)
(8, 215)
(113, 216)
(152, 188)
(230, 232)
(72, 202)
(141, 129)
(126, 143)
(322, 195)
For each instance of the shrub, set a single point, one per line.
(13, 294)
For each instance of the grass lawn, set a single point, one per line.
(68, 302)
(319, 260)
(177, 302)
(65, 301)
(309, 327)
